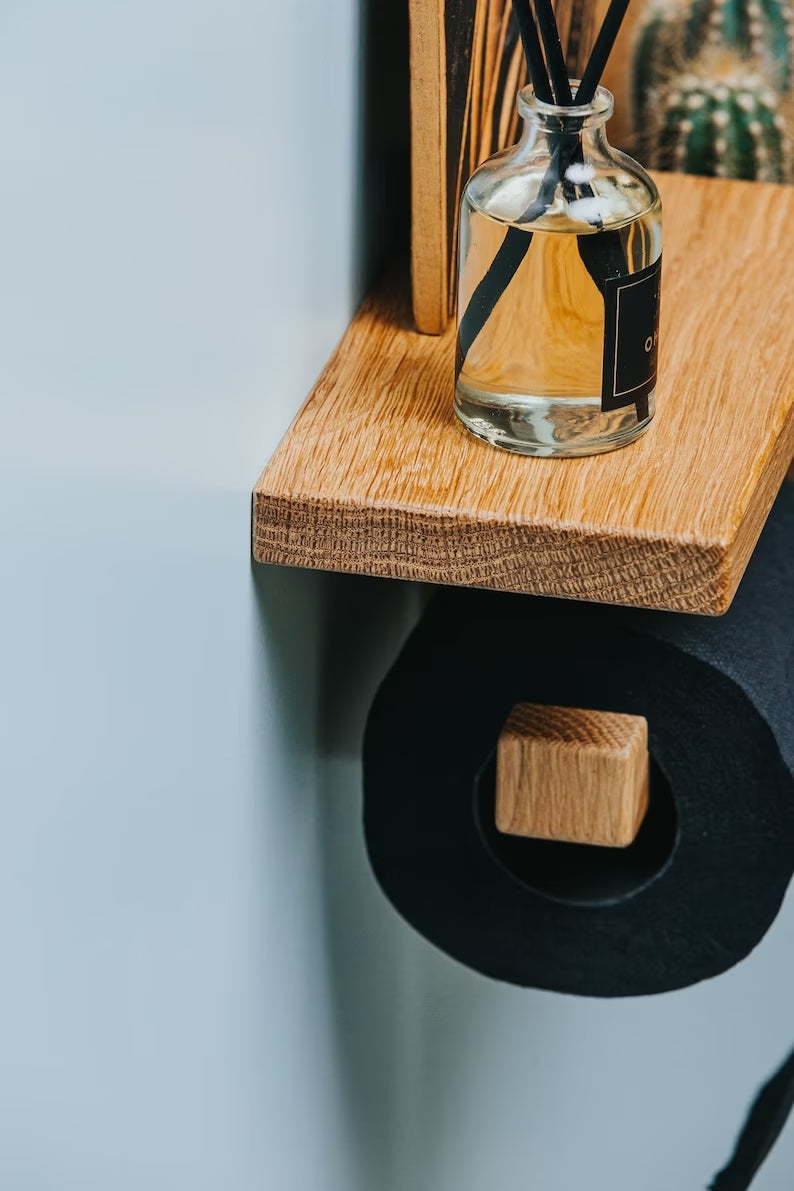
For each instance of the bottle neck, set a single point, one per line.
(544, 140)
(547, 126)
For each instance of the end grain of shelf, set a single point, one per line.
(375, 476)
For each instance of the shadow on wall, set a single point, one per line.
(404, 1022)
(329, 641)
(383, 167)
(371, 975)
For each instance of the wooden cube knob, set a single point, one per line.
(567, 774)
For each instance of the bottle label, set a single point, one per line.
(631, 333)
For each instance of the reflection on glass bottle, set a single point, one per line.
(558, 288)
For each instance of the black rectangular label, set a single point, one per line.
(631, 334)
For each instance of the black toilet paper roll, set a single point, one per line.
(706, 876)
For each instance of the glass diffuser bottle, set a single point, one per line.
(558, 288)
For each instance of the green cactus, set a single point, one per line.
(708, 78)
(762, 30)
(656, 43)
(721, 120)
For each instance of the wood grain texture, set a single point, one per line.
(566, 774)
(467, 66)
(429, 249)
(376, 476)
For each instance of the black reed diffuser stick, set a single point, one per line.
(555, 59)
(507, 260)
(536, 67)
(516, 243)
(596, 63)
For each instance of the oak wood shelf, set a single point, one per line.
(375, 475)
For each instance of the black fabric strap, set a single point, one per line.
(763, 1126)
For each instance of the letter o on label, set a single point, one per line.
(649, 343)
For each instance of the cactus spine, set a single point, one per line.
(725, 125)
(654, 47)
(762, 30)
(709, 83)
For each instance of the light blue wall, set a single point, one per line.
(201, 988)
